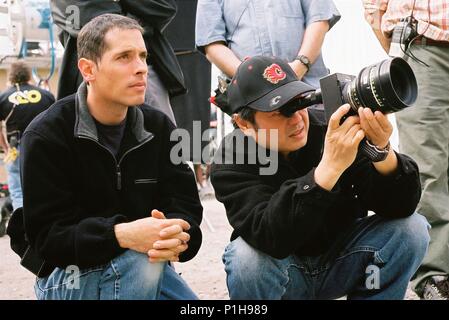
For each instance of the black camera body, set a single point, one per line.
(388, 86)
(332, 87)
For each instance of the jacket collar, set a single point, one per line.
(85, 124)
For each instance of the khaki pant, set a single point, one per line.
(424, 135)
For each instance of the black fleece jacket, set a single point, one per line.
(288, 213)
(75, 190)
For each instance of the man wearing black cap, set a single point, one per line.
(303, 231)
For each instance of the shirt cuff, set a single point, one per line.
(307, 185)
(202, 44)
(115, 246)
(404, 168)
(332, 19)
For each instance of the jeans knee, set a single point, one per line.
(241, 260)
(149, 272)
(252, 274)
(151, 275)
(137, 273)
(415, 234)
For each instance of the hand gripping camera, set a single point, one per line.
(388, 86)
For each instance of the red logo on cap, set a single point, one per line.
(274, 73)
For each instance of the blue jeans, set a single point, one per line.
(14, 186)
(374, 259)
(129, 276)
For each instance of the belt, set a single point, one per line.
(181, 53)
(430, 42)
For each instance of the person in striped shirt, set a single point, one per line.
(424, 128)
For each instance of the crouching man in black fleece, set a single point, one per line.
(303, 231)
(96, 172)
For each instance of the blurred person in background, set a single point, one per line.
(421, 32)
(19, 105)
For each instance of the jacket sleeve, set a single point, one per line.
(51, 214)
(268, 219)
(156, 13)
(180, 195)
(71, 16)
(393, 196)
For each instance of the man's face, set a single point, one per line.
(292, 132)
(120, 76)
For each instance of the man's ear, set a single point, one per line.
(242, 124)
(246, 126)
(87, 69)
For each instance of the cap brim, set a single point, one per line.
(280, 96)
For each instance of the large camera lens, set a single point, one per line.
(387, 86)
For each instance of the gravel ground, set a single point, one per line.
(205, 273)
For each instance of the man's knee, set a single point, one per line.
(252, 274)
(244, 264)
(414, 232)
(137, 273)
(241, 259)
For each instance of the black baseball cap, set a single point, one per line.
(264, 84)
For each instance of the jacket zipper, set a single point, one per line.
(118, 171)
(119, 177)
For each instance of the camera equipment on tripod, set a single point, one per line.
(387, 86)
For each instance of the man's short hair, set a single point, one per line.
(19, 73)
(246, 113)
(90, 43)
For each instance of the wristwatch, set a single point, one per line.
(374, 153)
(304, 60)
